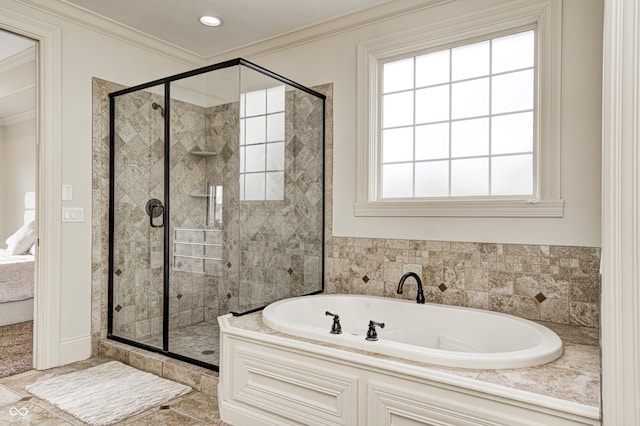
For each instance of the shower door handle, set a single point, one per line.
(155, 209)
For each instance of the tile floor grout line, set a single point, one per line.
(186, 415)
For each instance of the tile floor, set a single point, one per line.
(17, 406)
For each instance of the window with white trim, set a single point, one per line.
(459, 122)
(262, 144)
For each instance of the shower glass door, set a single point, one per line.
(138, 216)
(216, 204)
(281, 197)
(202, 233)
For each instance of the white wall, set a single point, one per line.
(332, 58)
(17, 173)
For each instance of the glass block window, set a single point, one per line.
(460, 122)
(262, 144)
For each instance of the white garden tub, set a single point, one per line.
(436, 334)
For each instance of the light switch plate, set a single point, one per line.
(73, 214)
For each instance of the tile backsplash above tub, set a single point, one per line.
(539, 282)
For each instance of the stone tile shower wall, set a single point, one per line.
(222, 138)
(189, 175)
(279, 241)
(100, 210)
(139, 176)
(139, 150)
(538, 282)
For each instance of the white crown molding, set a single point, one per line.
(14, 61)
(113, 29)
(18, 118)
(329, 28)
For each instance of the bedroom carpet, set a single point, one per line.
(107, 393)
(16, 348)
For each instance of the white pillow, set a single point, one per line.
(22, 239)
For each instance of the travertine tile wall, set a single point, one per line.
(139, 176)
(280, 241)
(138, 151)
(100, 209)
(189, 175)
(539, 282)
(222, 138)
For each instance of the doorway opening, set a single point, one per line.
(18, 185)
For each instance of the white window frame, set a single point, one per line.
(545, 16)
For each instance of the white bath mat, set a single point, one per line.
(107, 393)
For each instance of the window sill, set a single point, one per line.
(463, 208)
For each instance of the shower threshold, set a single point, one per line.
(198, 343)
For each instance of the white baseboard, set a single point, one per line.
(77, 349)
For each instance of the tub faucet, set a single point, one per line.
(336, 328)
(420, 296)
(372, 334)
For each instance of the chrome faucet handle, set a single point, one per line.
(372, 334)
(336, 328)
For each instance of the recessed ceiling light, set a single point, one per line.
(210, 21)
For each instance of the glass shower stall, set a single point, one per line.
(216, 203)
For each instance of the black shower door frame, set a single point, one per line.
(167, 199)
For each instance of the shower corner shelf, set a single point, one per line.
(203, 153)
(198, 195)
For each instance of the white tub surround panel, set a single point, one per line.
(270, 378)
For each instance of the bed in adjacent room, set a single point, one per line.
(17, 272)
(16, 287)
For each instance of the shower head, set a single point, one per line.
(157, 106)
